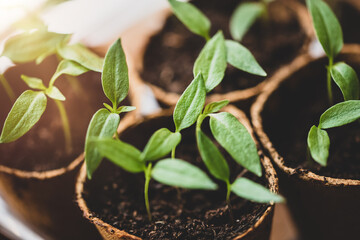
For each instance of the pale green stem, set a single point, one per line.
(66, 126)
(228, 186)
(147, 172)
(329, 88)
(173, 152)
(7, 88)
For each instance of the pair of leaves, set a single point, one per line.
(327, 27)
(338, 115)
(191, 17)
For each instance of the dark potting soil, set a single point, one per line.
(170, 55)
(116, 197)
(296, 106)
(43, 147)
(348, 16)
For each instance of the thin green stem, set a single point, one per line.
(66, 126)
(228, 186)
(173, 152)
(7, 88)
(147, 172)
(329, 88)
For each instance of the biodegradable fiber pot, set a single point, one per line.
(36, 174)
(118, 213)
(324, 201)
(167, 50)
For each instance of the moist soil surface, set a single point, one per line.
(116, 197)
(170, 55)
(348, 16)
(296, 106)
(43, 147)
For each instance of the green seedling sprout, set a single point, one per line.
(329, 33)
(217, 51)
(28, 108)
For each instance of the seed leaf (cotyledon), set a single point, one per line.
(179, 173)
(24, 114)
(241, 58)
(33, 82)
(345, 77)
(120, 153)
(327, 27)
(68, 67)
(191, 17)
(211, 62)
(212, 157)
(340, 114)
(190, 104)
(253, 191)
(160, 144)
(115, 79)
(102, 124)
(215, 106)
(236, 140)
(318, 142)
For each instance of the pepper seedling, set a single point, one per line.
(217, 51)
(338, 115)
(329, 34)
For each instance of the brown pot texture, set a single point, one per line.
(156, 29)
(260, 228)
(324, 203)
(36, 173)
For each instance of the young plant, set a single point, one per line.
(338, 115)
(245, 15)
(329, 33)
(30, 105)
(217, 51)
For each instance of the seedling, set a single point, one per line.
(31, 104)
(217, 51)
(245, 15)
(329, 33)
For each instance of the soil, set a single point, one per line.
(170, 55)
(116, 197)
(349, 16)
(43, 147)
(297, 105)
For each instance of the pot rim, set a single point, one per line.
(115, 233)
(171, 98)
(256, 109)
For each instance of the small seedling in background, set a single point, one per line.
(217, 51)
(245, 15)
(329, 33)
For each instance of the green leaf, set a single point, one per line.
(122, 109)
(191, 17)
(211, 62)
(54, 93)
(212, 157)
(122, 154)
(237, 141)
(190, 104)
(241, 58)
(26, 47)
(327, 27)
(345, 77)
(68, 67)
(160, 144)
(340, 114)
(115, 79)
(244, 16)
(253, 191)
(318, 142)
(80, 54)
(178, 173)
(25, 112)
(33, 82)
(102, 124)
(215, 106)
